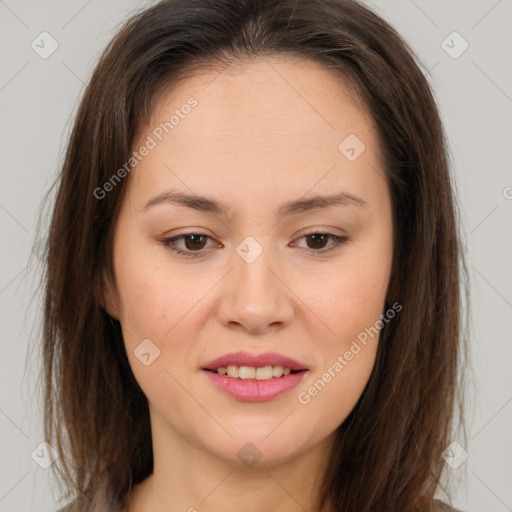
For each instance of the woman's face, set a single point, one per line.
(260, 140)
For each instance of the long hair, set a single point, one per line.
(388, 452)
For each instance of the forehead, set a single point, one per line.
(275, 90)
(279, 122)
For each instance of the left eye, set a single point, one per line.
(320, 238)
(195, 242)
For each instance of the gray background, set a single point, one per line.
(38, 98)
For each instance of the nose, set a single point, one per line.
(255, 296)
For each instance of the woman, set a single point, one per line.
(252, 285)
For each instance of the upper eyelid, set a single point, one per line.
(313, 231)
(302, 232)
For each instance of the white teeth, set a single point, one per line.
(247, 372)
(278, 371)
(251, 372)
(264, 373)
(232, 371)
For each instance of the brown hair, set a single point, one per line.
(387, 454)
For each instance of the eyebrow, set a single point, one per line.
(210, 205)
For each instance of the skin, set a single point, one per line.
(264, 132)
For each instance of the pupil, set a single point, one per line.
(317, 235)
(194, 239)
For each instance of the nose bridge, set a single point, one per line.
(254, 280)
(256, 276)
(255, 297)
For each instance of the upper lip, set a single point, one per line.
(256, 360)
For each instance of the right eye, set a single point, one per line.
(194, 243)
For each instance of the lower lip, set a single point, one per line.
(255, 390)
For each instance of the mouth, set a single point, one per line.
(260, 373)
(254, 384)
(253, 377)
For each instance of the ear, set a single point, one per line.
(106, 295)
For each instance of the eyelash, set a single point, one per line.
(338, 242)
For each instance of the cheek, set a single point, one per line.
(142, 299)
(351, 309)
(349, 299)
(152, 298)
(167, 307)
(159, 309)
(350, 295)
(333, 393)
(351, 303)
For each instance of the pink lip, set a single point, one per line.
(255, 390)
(256, 360)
